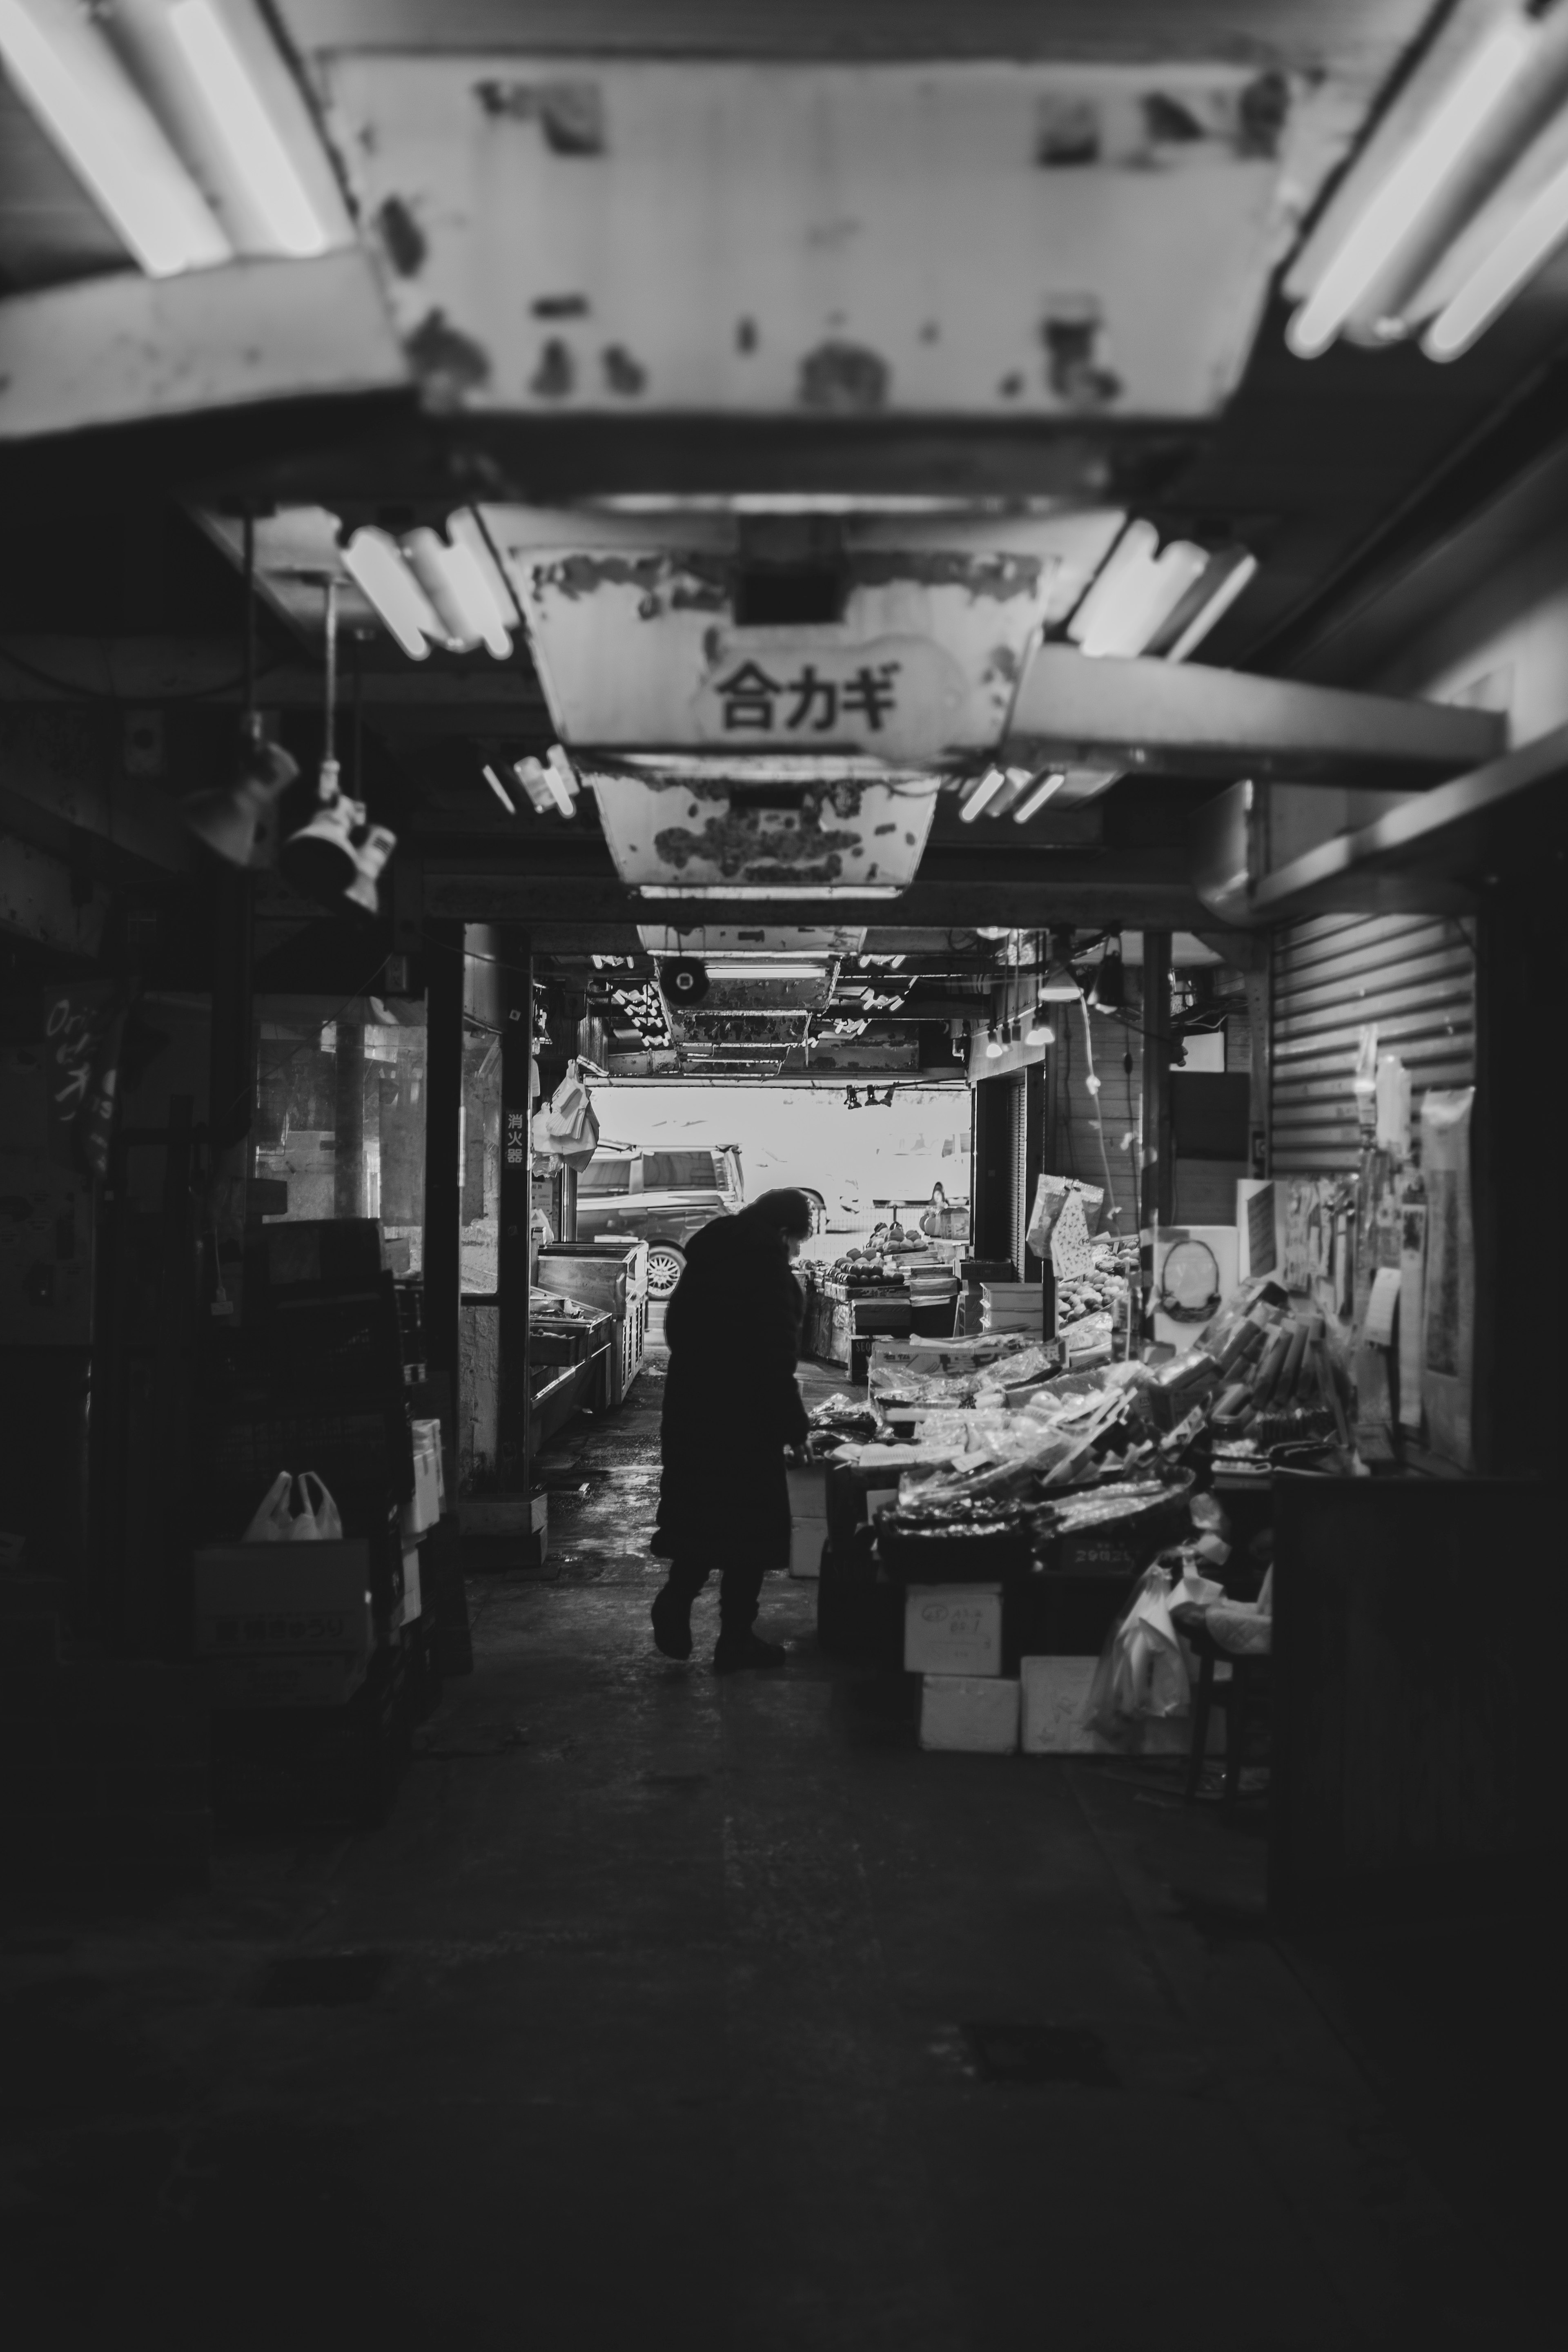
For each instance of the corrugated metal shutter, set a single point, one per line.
(1413, 974)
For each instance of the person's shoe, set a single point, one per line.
(735, 1652)
(673, 1624)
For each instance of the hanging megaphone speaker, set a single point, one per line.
(238, 821)
(684, 980)
(319, 861)
(370, 855)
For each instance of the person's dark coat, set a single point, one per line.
(731, 1405)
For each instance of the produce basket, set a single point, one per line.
(1110, 1530)
(918, 1546)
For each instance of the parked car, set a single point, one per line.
(659, 1197)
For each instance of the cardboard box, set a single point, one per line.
(1055, 1696)
(952, 1629)
(257, 1599)
(329, 1678)
(969, 1715)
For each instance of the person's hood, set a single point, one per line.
(732, 1241)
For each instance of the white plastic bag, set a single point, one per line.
(1142, 1671)
(569, 1130)
(271, 1522)
(318, 1522)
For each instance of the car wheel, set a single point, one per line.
(665, 1264)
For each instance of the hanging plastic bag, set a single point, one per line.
(271, 1522)
(569, 1130)
(1142, 1672)
(318, 1522)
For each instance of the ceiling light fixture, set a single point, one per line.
(1136, 592)
(93, 112)
(1497, 278)
(993, 1046)
(768, 891)
(1032, 803)
(1040, 1031)
(1389, 221)
(983, 793)
(251, 139)
(499, 789)
(451, 576)
(750, 968)
(1238, 568)
(374, 563)
(560, 779)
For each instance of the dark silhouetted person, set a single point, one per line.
(731, 1408)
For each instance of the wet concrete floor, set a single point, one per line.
(666, 2008)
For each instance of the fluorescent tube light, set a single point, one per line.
(739, 968)
(1492, 285)
(1032, 803)
(499, 789)
(97, 117)
(1136, 592)
(451, 577)
(250, 137)
(374, 563)
(749, 890)
(1224, 597)
(1395, 211)
(535, 780)
(984, 793)
(560, 779)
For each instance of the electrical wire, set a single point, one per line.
(1096, 1118)
(73, 690)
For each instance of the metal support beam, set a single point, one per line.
(125, 348)
(516, 1208)
(1427, 855)
(1156, 1188)
(1173, 719)
(442, 1124)
(489, 697)
(1083, 891)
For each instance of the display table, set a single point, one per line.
(612, 1277)
(837, 1317)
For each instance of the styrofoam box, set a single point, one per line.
(1055, 1696)
(409, 1605)
(952, 1629)
(975, 1715)
(808, 1519)
(423, 1509)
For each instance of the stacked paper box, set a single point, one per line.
(1013, 1307)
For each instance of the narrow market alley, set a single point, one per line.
(716, 2004)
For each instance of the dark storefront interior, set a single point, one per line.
(955, 615)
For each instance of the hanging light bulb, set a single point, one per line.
(1040, 1031)
(994, 1047)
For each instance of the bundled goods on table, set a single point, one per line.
(1258, 1379)
(1092, 1307)
(858, 1271)
(552, 1306)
